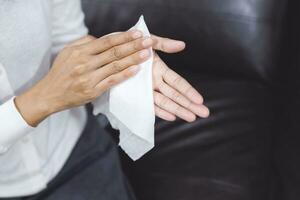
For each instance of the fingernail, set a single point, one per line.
(206, 112)
(147, 42)
(134, 68)
(198, 99)
(173, 118)
(195, 96)
(181, 43)
(137, 34)
(191, 118)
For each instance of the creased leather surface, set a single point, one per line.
(236, 57)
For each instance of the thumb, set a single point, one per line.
(167, 45)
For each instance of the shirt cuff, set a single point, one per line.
(13, 127)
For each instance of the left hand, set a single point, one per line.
(173, 95)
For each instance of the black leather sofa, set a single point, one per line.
(243, 56)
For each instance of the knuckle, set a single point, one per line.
(111, 81)
(188, 89)
(89, 94)
(107, 41)
(127, 36)
(166, 72)
(79, 70)
(75, 52)
(84, 82)
(161, 85)
(84, 59)
(189, 104)
(156, 98)
(134, 59)
(177, 80)
(116, 66)
(126, 75)
(116, 53)
(163, 48)
(178, 110)
(163, 101)
(136, 45)
(176, 96)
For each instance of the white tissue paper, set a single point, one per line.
(129, 107)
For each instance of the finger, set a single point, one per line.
(106, 42)
(184, 87)
(120, 65)
(167, 45)
(167, 104)
(115, 79)
(119, 52)
(82, 40)
(164, 114)
(200, 110)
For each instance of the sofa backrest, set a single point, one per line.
(228, 39)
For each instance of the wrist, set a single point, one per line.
(32, 108)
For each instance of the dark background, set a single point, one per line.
(243, 56)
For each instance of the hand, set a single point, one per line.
(173, 95)
(82, 72)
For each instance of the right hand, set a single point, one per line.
(82, 72)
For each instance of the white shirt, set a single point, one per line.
(31, 33)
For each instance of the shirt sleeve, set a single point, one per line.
(67, 23)
(13, 126)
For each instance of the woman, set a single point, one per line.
(41, 111)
